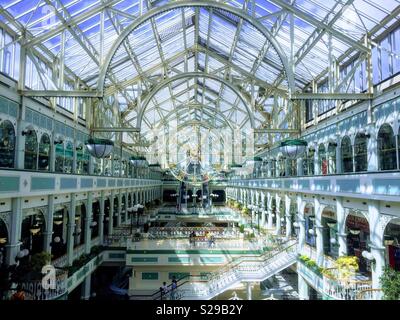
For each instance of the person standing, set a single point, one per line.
(163, 290)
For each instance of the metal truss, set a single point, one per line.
(272, 58)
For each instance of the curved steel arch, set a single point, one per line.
(185, 4)
(202, 106)
(164, 83)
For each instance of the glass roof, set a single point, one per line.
(197, 39)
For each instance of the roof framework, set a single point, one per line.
(222, 63)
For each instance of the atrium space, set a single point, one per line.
(199, 150)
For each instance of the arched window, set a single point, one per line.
(281, 167)
(69, 158)
(7, 145)
(31, 150)
(323, 165)
(332, 158)
(347, 155)
(59, 164)
(360, 153)
(82, 160)
(386, 148)
(310, 161)
(44, 153)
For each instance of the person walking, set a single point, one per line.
(163, 290)
(174, 286)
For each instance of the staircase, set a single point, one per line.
(244, 269)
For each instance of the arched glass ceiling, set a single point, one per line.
(44, 28)
(202, 39)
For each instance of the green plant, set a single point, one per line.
(245, 210)
(241, 228)
(390, 283)
(346, 266)
(38, 260)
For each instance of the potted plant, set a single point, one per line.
(390, 283)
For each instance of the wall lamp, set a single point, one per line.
(58, 141)
(27, 132)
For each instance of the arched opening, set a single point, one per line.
(107, 166)
(59, 243)
(106, 216)
(95, 219)
(123, 208)
(360, 153)
(59, 161)
(347, 155)
(308, 162)
(31, 150)
(7, 144)
(44, 153)
(79, 232)
(391, 241)
(69, 157)
(329, 232)
(309, 217)
(273, 167)
(332, 157)
(282, 217)
(115, 216)
(358, 234)
(32, 229)
(82, 160)
(273, 206)
(322, 163)
(387, 155)
(281, 167)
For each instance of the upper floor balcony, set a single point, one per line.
(18, 183)
(374, 185)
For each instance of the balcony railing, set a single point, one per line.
(385, 184)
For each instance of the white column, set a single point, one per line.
(119, 208)
(372, 153)
(14, 243)
(303, 288)
(70, 229)
(269, 209)
(111, 213)
(86, 290)
(341, 227)
(288, 217)
(88, 222)
(300, 219)
(278, 214)
(48, 234)
(339, 159)
(262, 209)
(101, 218)
(248, 290)
(318, 232)
(376, 245)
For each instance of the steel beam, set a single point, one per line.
(266, 130)
(116, 129)
(61, 93)
(332, 96)
(315, 22)
(191, 4)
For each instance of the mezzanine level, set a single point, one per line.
(365, 185)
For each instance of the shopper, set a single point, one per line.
(163, 290)
(174, 286)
